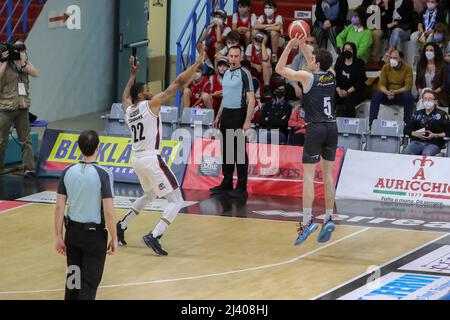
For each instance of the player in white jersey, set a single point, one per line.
(142, 114)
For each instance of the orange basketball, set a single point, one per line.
(298, 28)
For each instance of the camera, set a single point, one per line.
(13, 49)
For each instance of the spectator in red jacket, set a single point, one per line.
(192, 95)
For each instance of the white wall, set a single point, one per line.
(77, 66)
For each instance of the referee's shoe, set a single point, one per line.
(153, 243)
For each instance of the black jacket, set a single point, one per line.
(436, 122)
(277, 116)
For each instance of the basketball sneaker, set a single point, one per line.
(305, 232)
(154, 244)
(327, 229)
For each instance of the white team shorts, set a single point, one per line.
(155, 175)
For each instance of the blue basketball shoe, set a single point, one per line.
(305, 232)
(327, 229)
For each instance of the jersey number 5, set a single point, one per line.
(327, 106)
(138, 130)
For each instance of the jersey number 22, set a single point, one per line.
(138, 132)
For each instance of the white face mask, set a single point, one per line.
(243, 11)
(198, 76)
(219, 21)
(428, 105)
(269, 12)
(394, 63)
(429, 55)
(310, 48)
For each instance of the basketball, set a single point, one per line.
(298, 28)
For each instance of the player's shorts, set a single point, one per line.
(321, 139)
(154, 175)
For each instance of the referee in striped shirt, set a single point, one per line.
(87, 188)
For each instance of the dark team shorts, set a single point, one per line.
(321, 139)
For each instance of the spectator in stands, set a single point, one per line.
(386, 8)
(297, 124)
(275, 114)
(259, 56)
(293, 88)
(395, 85)
(331, 18)
(216, 33)
(427, 128)
(358, 34)
(432, 73)
(441, 37)
(350, 81)
(419, 5)
(402, 23)
(213, 98)
(428, 19)
(272, 25)
(231, 40)
(192, 95)
(244, 21)
(15, 104)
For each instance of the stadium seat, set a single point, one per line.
(197, 120)
(391, 112)
(385, 136)
(115, 122)
(169, 118)
(352, 133)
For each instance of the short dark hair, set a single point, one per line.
(271, 3)
(361, 13)
(324, 58)
(135, 90)
(88, 142)
(235, 47)
(233, 36)
(245, 3)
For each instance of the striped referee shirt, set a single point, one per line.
(235, 85)
(86, 185)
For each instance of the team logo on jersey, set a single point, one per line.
(326, 78)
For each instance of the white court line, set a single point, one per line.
(208, 275)
(380, 267)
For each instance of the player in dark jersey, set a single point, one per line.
(321, 132)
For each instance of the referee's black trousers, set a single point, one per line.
(86, 252)
(234, 119)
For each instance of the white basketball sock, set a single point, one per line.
(127, 219)
(307, 215)
(328, 215)
(159, 229)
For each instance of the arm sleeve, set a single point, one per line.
(365, 44)
(383, 76)
(253, 20)
(62, 187)
(341, 37)
(360, 76)
(320, 15)
(412, 125)
(248, 51)
(106, 179)
(247, 81)
(341, 20)
(408, 78)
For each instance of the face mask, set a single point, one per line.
(310, 48)
(429, 55)
(269, 12)
(243, 11)
(347, 54)
(438, 37)
(219, 21)
(394, 63)
(431, 6)
(198, 76)
(428, 105)
(355, 21)
(280, 93)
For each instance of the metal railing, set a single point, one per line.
(189, 37)
(9, 9)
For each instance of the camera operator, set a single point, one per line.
(15, 101)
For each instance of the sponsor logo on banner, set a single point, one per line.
(403, 286)
(395, 178)
(210, 167)
(437, 261)
(273, 169)
(115, 153)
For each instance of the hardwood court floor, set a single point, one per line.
(210, 257)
